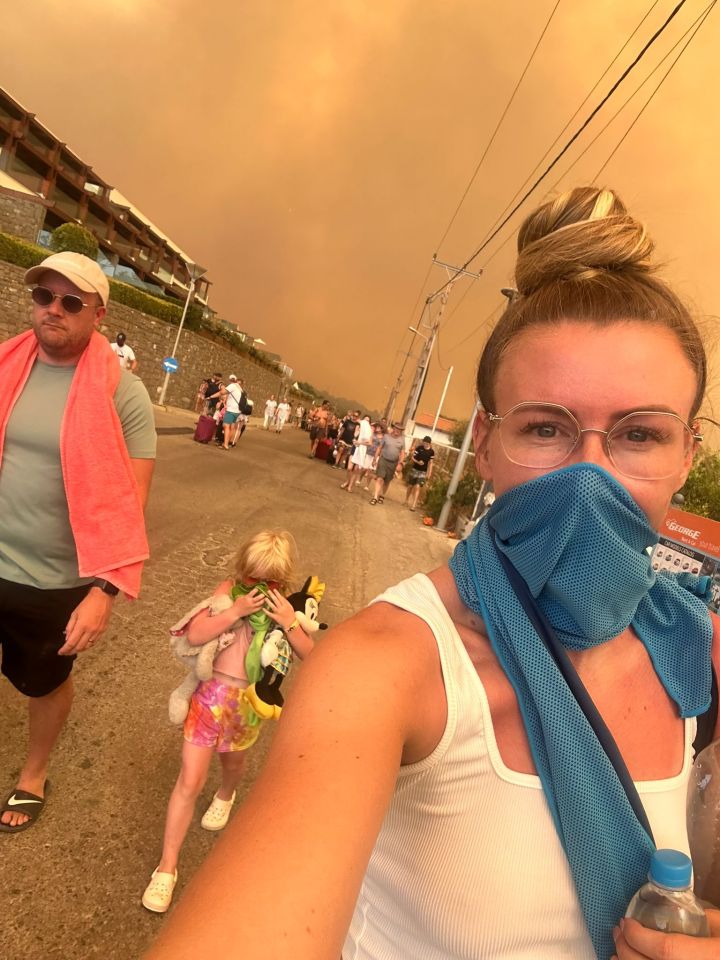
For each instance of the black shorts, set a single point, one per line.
(32, 624)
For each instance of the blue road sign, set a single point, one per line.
(170, 365)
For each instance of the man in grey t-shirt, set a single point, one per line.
(390, 461)
(48, 612)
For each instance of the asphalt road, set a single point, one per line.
(71, 885)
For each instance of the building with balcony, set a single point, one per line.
(38, 172)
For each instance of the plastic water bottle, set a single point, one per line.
(666, 902)
(703, 822)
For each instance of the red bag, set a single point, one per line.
(323, 448)
(205, 430)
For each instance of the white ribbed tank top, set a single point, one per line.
(468, 865)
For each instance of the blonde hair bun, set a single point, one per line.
(578, 236)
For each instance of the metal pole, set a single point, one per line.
(458, 471)
(191, 290)
(420, 375)
(442, 401)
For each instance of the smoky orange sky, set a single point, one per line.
(310, 153)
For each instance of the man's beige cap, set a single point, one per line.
(78, 269)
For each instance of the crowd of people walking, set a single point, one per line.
(372, 454)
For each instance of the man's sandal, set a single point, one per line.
(381, 500)
(217, 814)
(374, 500)
(29, 804)
(159, 892)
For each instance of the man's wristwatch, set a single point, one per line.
(109, 588)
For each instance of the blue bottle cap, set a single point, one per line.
(670, 868)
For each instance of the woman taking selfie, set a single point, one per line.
(480, 764)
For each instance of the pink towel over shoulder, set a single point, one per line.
(106, 514)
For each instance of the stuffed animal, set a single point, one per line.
(276, 654)
(197, 658)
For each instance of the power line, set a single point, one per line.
(570, 142)
(693, 28)
(478, 328)
(537, 167)
(494, 134)
(690, 34)
(703, 17)
(590, 92)
(539, 164)
(477, 170)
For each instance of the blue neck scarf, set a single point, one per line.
(578, 539)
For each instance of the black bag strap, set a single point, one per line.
(707, 721)
(550, 639)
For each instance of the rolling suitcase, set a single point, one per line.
(205, 430)
(323, 449)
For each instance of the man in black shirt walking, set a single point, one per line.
(421, 461)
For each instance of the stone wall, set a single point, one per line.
(20, 215)
(152, 340)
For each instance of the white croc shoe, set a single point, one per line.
(217, 814)
(159, 892)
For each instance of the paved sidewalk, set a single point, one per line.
(71, 885)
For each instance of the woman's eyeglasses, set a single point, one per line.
(43, 297)
(644, 445)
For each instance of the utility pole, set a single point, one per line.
(392, 399)
(423, 363)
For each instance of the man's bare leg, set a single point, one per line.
(46, 716)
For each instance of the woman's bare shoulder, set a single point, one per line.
(386, 630)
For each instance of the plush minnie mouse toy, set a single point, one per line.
(276, 655)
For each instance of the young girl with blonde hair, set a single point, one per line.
(220, 720)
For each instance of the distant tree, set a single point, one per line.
(702, 487)
(73, 237)
(458, 434)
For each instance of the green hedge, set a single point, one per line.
(20, 252)
(702, 487)
(25, 254)
(163, 309)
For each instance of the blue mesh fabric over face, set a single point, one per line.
(578, 540)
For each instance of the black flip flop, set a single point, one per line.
(20, 801)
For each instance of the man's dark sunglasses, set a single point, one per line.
(43, 297)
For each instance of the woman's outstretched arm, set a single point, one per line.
(283, 881)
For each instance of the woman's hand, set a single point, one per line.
(279, 610)
(249, 603)
(635, 942)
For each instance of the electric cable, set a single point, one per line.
(569, 143)
(703, 17)
(495, 132)
(693, 28)
(688, 37)
(590, 92)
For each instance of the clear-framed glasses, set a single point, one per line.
(644, 445)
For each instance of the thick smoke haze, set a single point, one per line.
(310, 153)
